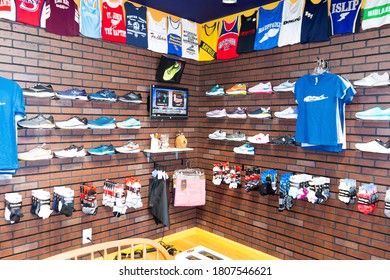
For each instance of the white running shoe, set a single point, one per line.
(375, 146)
(218, 135)
(259, 139)
(73, 123)
(216, 114)
(289, 113)
(261, 88)
(128, 147)
(286, 86)
(71, 151)
(37, 153)
(374, 79)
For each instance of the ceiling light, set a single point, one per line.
(229, 1)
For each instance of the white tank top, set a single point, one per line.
(376, 13)
(190, 40)
(290, 31)
(157, 35)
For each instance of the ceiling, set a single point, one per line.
(201, 10)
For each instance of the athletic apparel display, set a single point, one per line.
(7, 10)
(270, 22)
(62, 17)
(290, 31)
(90, 18)
(209, 36)
(31, 12)
(228, 40)
(157, 34)
(136, 26)
(113, 22)
(375, 14)
(11, 110)
(189, 187)
(174, 36)
(315, 22)
(345, 16)
(247, 34)
(190, 39)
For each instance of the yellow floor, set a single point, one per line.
(193, 237)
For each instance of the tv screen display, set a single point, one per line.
(168, 102)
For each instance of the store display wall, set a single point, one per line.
(332, 230)
(30, 55)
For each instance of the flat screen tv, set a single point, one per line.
(168, 102)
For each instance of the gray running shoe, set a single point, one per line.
(38, 122)
(238, 136)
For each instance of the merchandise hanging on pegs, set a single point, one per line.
(133, 193)
(88, 199)
(40, 205)
(13, 205)
(63, 201)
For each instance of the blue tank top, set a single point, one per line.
(315, 24)
(345, 16)
(174, 37)
(136, 27)
(90, 19)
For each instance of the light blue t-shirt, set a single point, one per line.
(319, 98)
(90, 18)
(11, 105)
(267, 33)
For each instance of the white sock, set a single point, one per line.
(387, 203)
(344, 192)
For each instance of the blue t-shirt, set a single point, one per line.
(315, 22)
(270, 22)
(90, 19)
(319, 98)
(136, 27)
(345, 16)
(11, 105)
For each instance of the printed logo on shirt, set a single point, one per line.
(191, 49)
(3, 103)
(270, 34)
(5, 5)
(291, 20)
(227, 44)
(206, 47)
(315, 98)
(62, 4)
(30, 5)
(345, 8)
(376, 12)
(309, 15)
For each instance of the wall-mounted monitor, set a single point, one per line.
(168, 102)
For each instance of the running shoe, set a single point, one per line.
(238, 136)
(261, 88)
(38, 121)
(284, 140)
(238, 113)
(102, 122)
(374, 79)
(170, 72)
(259, 139)
(289, 113)
(218, 135)
(237, 89)
(217, 90)
(130, 123)
(37, 153)
(375, 146)
(102, 150)
(73, 94)
(73, 123)
(286, 86)
(71, 151)
(131, 97)
(245, 149)
(104, 95)
(39, 90)
(376, 113)
(261, 113)
(128, 147)
(216, 114)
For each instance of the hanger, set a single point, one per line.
(322, 66)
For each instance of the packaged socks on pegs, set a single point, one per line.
(347, 190)
(13, 205)
(88, 199)
(367, 198)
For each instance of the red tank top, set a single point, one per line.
(29, 11)
(113, 22)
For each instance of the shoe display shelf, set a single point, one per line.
(169, 150)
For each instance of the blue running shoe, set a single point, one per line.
(102, 150)
(130, 123)
(104, 95)
(73, 93)
(245, 149)
(102, 122)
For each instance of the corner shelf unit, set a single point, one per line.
(169, 150)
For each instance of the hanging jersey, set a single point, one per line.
(157, 34)
(11, 106)
(376, 13)
(7, 9)
(247, 34)
(270, 21)
(62, 17)
(345, 16)
(30, 12)
(136, 28)
(315, 25)
(290, 31)
(174, 37)
(228, 40)
(190, 39)
(208, 41)
(113, 22)
(90, 18)
(318, 98)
